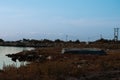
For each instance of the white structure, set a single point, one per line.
(83, 51)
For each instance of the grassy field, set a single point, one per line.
(57, 66)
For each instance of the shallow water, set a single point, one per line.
(4, 60)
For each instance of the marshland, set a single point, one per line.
(48, 63)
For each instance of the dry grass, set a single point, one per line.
(64, 66)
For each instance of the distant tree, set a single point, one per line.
(70, 41)
(102, 40)
(47, 41)
(77, 41)
(58, 40)
(1, 40)
(24, 40)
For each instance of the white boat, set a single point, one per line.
(83, 51)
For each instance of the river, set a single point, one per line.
(4, 60)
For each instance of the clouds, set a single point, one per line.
(28, 18)
(83, 22)
(57, 27)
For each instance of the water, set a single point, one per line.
(4, 60)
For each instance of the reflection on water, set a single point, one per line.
(4, 60)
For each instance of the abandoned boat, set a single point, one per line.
(83, 51)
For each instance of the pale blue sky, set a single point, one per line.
(52, 19)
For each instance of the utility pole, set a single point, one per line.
(66, 38)
(101, 36)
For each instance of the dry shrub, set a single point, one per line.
(62, 66)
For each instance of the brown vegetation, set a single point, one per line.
(66, 66)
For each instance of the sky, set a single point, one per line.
(56, 19)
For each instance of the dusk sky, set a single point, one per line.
(54, 19)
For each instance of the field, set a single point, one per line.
(57, 66)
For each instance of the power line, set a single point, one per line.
(116, 34)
